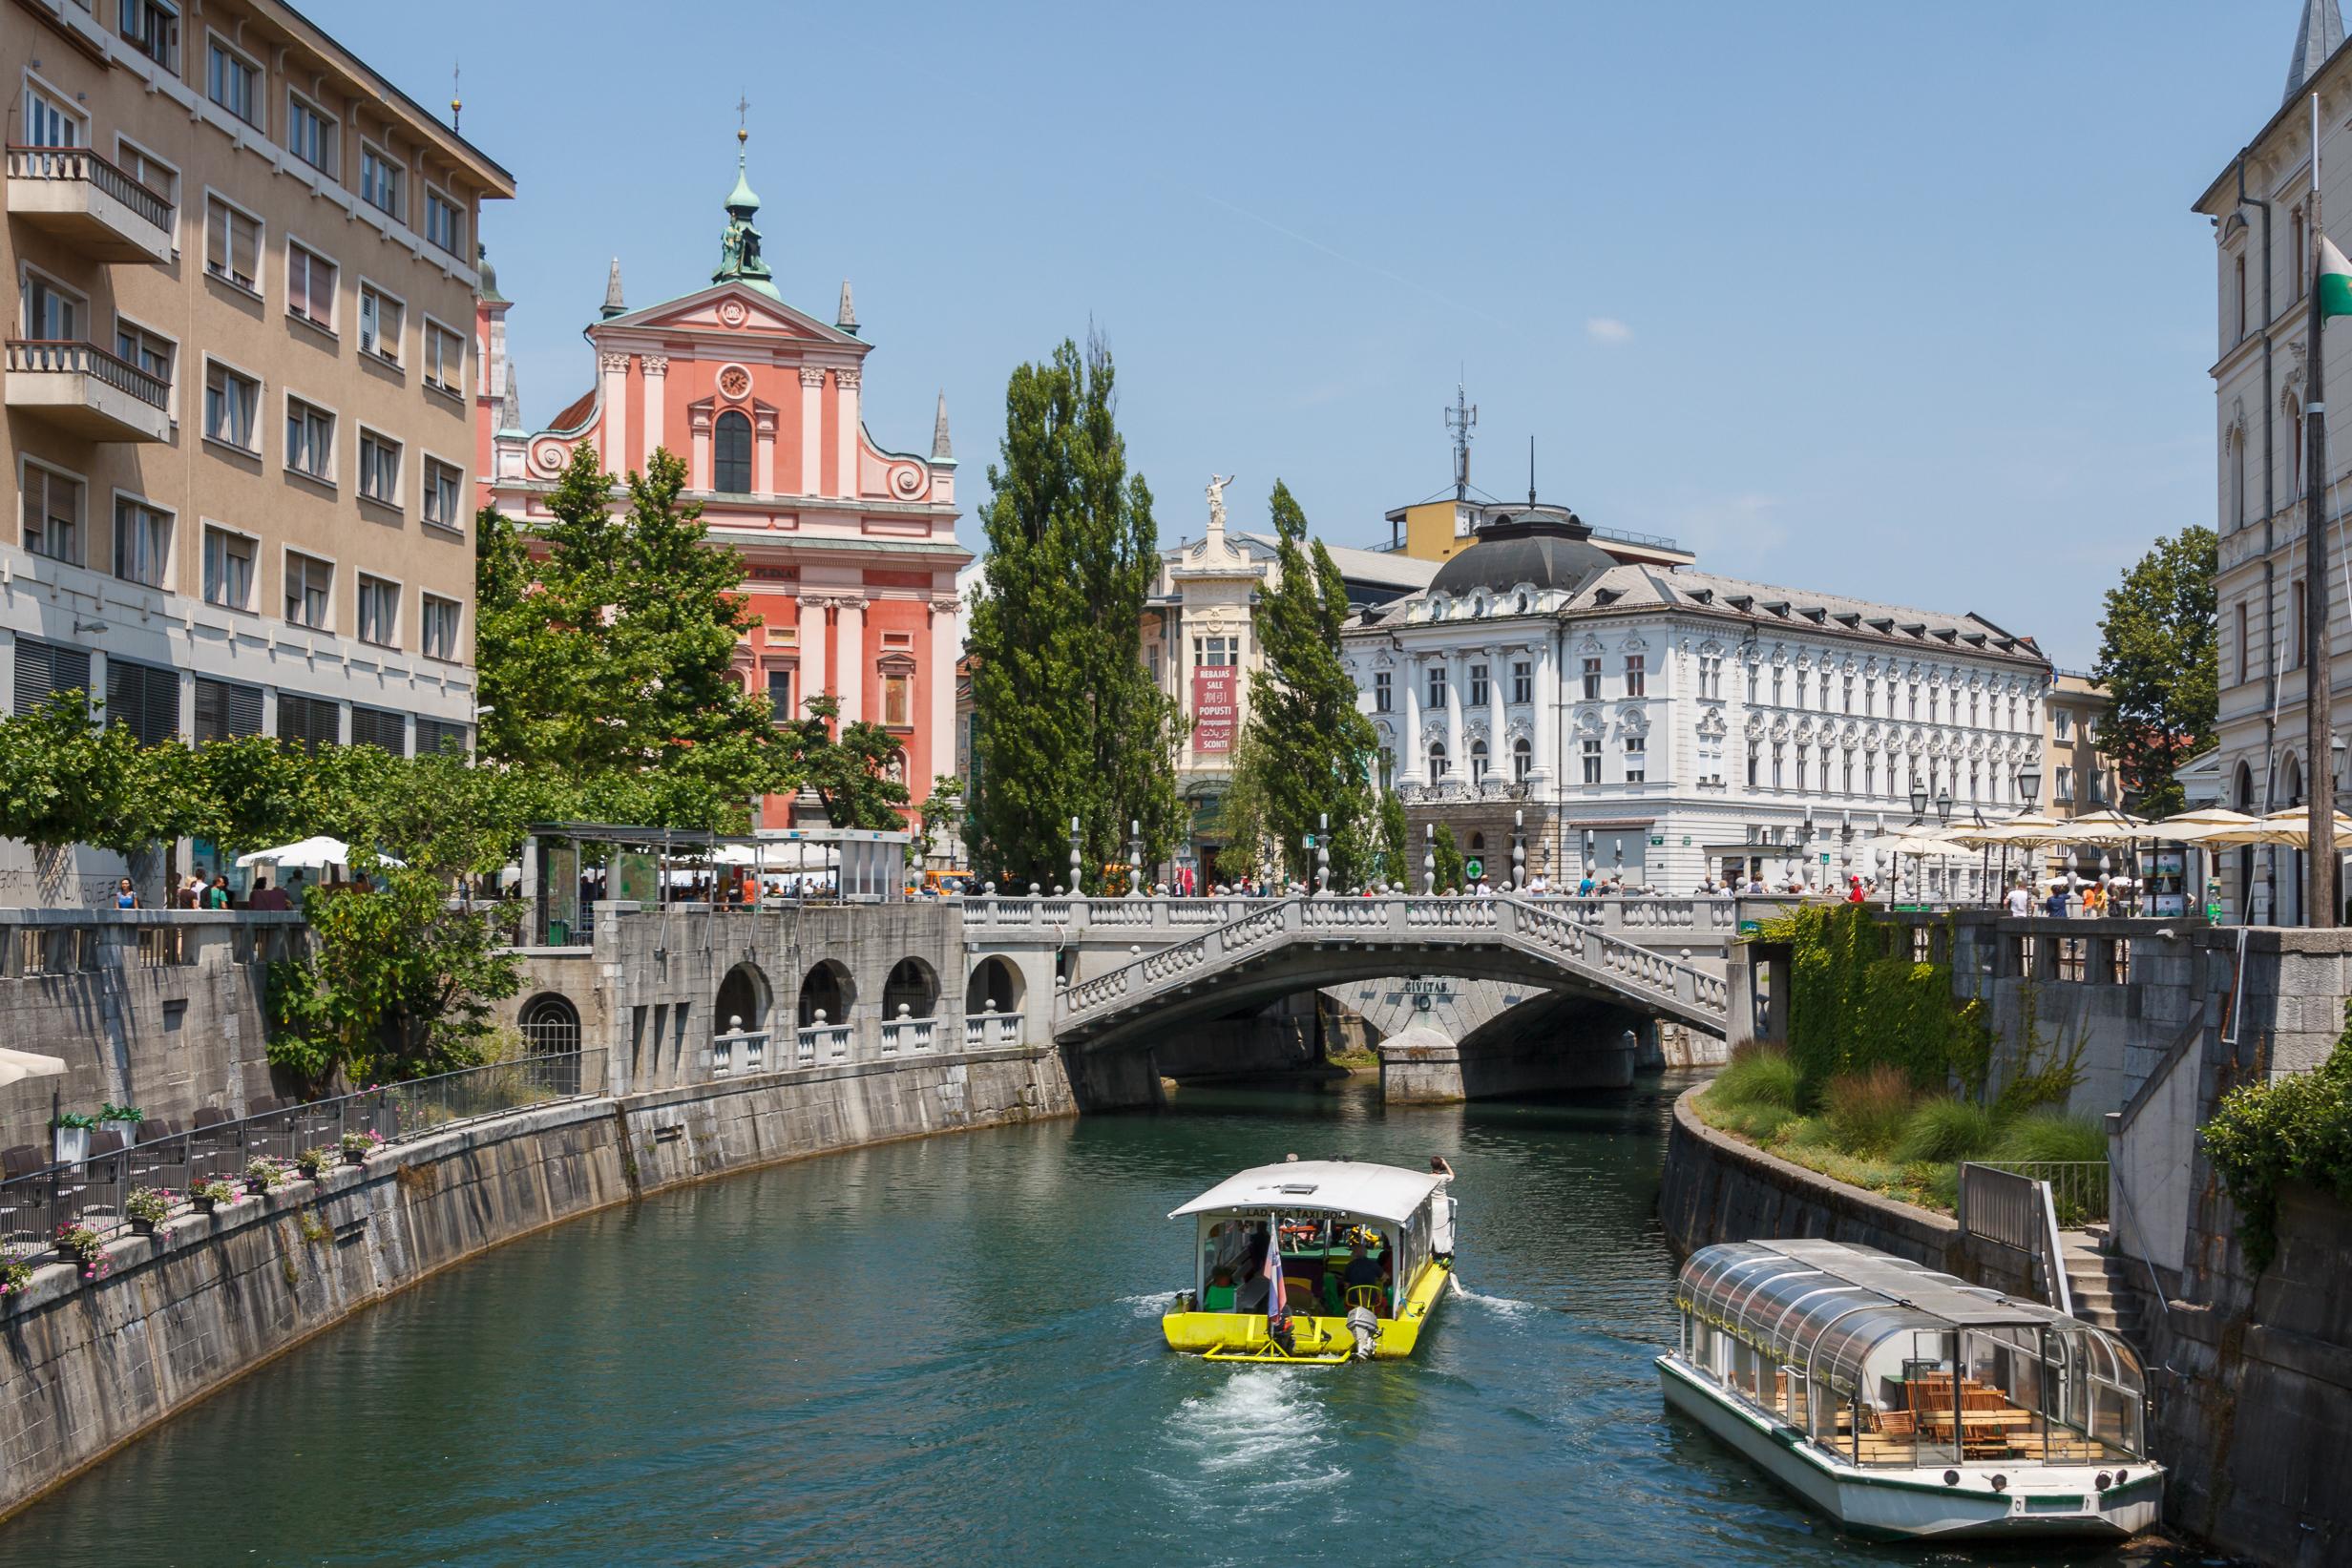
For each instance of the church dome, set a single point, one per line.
(1548, 551)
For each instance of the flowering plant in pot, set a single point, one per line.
(147, 1208)
(83, 1248)
(261, 1173)
(210, 1194)
(15, 1275)
(313, 1164)
(70, 1132)
(120, 1119)
(358, 1146)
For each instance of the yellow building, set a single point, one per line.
(1432, 531)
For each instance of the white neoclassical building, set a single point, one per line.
(1669, 723)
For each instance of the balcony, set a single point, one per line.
(77, 196)
(81, 389)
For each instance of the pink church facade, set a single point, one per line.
(849, 547)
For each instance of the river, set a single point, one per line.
(946, 1352)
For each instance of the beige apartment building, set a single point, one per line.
(238, 385)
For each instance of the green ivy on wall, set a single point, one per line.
(1860, 1000)
(2290, 1129)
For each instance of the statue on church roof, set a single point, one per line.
(739, 247)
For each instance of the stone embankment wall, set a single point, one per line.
(87, 1366)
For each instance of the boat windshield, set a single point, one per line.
(1886, 1362)
(1329, 1264)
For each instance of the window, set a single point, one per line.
(1477, 762)
(445, 494)
(142, 541)
(1803, 752)
(51, 314)
(378, 468)
(897, 700)
(1522, 681)
(1478, 688)
(444, 367)
(1934, 700)
(1522, 759)
(309, 286)
(379, 611)
(445, 223)
(152, 29)
(2062, 723)
(1845, 775)
(1847, 693)
(2098, 787)
(148, 170)
(309, 583)
(233, 82)
(437, 626)
(434, 734)
(730, 454)
(1974, 698)
(1215, 652)
(1754, 761)
(378, 323)
(225, 710)
(2065, 787)
(1870, 773)
(228, 569)
(1592, 679)
(143, 699)
(310, 134)
(52, 515)
(50, 121)
(1754, 677)
(1870, 697)
(1438, 762)
(232, 245)
(379, 181)
(1803, 679)
(1776, 760)
(1636, 679)
(1776, 686)
(1592, 761)
(135, 344)
(1437, 686)
(308, 721)
(310, 440)
(780, 697)
(381, 729)
(1381, 693)
(44, 669)
(1637, 759)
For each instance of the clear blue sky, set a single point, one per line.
(1898, 301)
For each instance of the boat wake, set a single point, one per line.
(1260, 1443)
(1500, 1305)
(1153, 1306)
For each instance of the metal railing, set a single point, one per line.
(81, 165)
(2079, 1188)
(92, 1191)
(2016, 1210)
(36, 355)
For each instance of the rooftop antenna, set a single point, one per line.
(456, 103)
(1531, 470)
(1459, 419)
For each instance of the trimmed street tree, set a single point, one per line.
(1070, 722)
(2159, 660)
(1313, 748)
(849, 772)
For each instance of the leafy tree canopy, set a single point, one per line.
(2159, 661)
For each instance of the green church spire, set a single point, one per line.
(739, 247)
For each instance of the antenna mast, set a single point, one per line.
(1460, 419)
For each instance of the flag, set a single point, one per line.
(2335, 281)
(1277, 1309)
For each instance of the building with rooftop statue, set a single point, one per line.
(848, 546)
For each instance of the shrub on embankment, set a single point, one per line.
(2291, 1129)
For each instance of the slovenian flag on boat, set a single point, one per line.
(1277, 1310)
(2335, 281)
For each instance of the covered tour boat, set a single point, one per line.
(1314, 1261)
(1904, 1402)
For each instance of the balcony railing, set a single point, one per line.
(40, 355)
(81, 165)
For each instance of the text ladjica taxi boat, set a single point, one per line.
(1359, 1254)
(1904, 1402)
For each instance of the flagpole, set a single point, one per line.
(2321, 899)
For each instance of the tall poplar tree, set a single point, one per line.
(1312, 748)
(1070, 722)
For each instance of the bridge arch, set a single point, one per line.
(912, 986)
(550, 1024)
(995, 982)
(826, 988)
(743, 999)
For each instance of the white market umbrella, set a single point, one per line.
(2110, 827)
(312, 854)
(2202, 825)
(2292, 827)
(16, 1066)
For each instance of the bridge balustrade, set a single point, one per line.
(906, 1033)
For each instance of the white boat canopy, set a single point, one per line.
(1330, 1187)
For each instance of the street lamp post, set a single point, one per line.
(1943, 821)
(2028, 791)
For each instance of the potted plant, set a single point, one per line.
(358, 1146)
(210, 1194)
(121, 1119)
(81, 1246)
(261, 1173)
(147, 1208)
(313, 1164)
(15, 1276)
(70, 1133)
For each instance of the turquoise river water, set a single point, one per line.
(947, 1352)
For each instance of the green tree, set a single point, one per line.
(1314, 747)
(250, 792)
(849, 772)
(1071, 722)
(2159, 661)
(66, 780)
(942, 811)
(1451, 868)
(1395, 868)
(613, 653)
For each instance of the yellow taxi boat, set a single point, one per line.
(1362, 1252)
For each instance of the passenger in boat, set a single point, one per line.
(1438, 1168)
(1362, 1269)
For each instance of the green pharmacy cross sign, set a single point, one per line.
(1474, 867)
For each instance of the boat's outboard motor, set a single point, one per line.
(1366, 1329)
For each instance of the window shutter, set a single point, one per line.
(43, 669)
(225, 710)
(438, 734)
(380, 728)
(143, 699)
